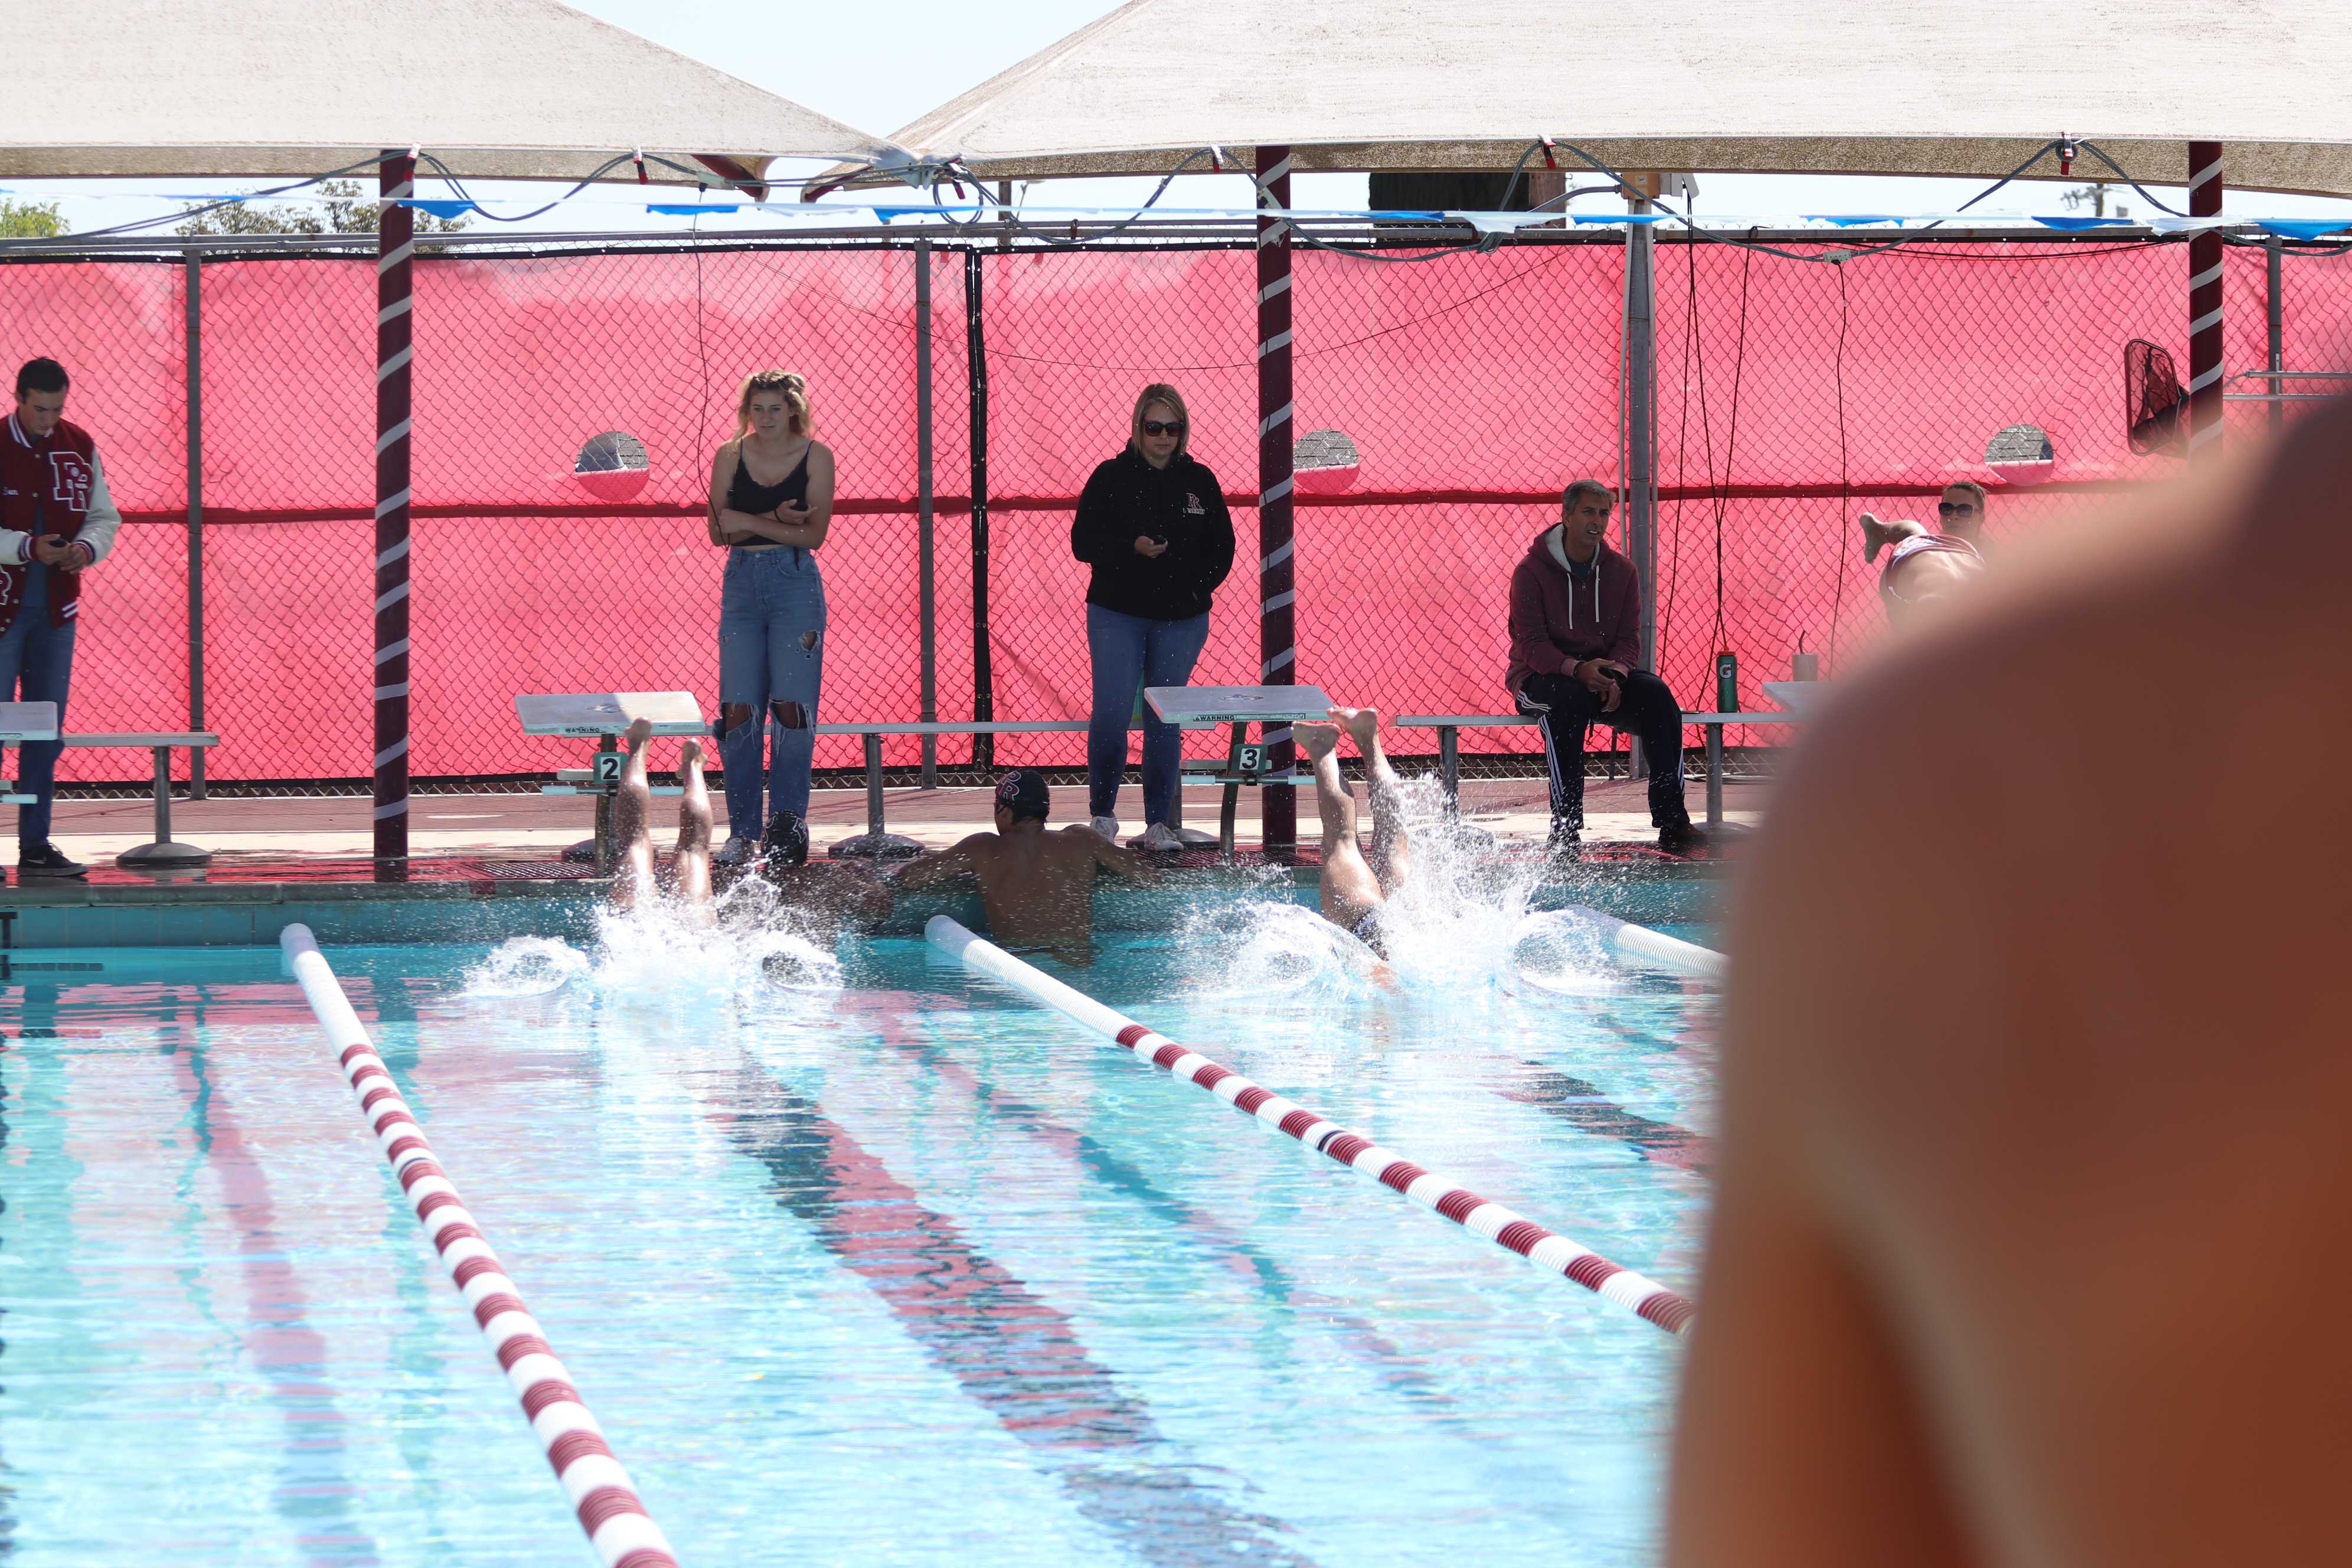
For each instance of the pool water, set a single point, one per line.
(891, 1266)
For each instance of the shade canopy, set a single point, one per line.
(515, 90)
(1940, 87)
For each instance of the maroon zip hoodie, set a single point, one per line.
(1557, 622)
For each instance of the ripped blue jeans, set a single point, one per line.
(770, 655)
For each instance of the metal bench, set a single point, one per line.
(22, 721)
(1449, 728)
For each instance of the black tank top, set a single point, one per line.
(748, 494)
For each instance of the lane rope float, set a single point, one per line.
(1639, 945)
(603, 1499)
(1546, 1249)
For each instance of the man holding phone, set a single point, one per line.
(1576, 636)
(57, 521)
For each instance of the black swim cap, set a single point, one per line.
(1023, 793)
(786, 842)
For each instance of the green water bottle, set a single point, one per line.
(1726, 683)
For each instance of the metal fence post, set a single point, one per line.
(2275, 308)
(923, 506)
(191, 262)
(1641, 455)
(984, 673)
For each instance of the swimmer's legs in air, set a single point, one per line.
(1348, 891)
(1391, 859)
(693, 831)
(632, 809)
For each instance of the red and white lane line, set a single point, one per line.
(606, 1505)
(1546, 1250)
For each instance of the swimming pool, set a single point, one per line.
(892, 1268)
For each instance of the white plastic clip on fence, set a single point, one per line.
(603, 1499)
(1552, 1253)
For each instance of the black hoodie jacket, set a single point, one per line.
(1127, 497)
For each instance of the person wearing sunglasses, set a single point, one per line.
(1152, 524)
(1922, 567)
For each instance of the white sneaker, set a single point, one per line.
(735, 851)
(1158, 836)
(1106, 825)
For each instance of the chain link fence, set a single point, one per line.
(1793, 395)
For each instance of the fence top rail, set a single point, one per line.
(1351, 233)
(949, 727)
(1491, 720)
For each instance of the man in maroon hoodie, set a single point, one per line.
(1576, 636)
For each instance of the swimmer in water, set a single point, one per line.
(1353, 891)
(1924, 568)
(1037, 888)
(632, 825)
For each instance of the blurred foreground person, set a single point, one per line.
(2036, 1203)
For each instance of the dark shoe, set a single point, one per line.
(1684, 837)
(45, 860)
(786, 841)
(1564, 836)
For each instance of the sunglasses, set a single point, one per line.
(1954, 507)
(1163, 427)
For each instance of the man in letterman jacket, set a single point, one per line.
(1576, 636)
(57, 521)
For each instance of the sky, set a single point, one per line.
(840, 60)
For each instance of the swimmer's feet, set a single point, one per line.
(690, 756)
(1318, 739)
(639, 733)
(1362, 724)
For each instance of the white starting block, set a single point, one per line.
(1206, 707)
(606, 715)
(20, 722)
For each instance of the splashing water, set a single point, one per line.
(663, 953)
(1561, 953)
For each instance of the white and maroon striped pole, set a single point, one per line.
(603, 1499)
(1277, 578)
(2205, 302)
(1553, 1253)
(396, 250)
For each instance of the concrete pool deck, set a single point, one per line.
(250, 830)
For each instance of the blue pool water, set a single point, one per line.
(894, 1268)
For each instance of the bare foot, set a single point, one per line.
(1363, 724)
(1319, 738)
(689, 757)
(639, 733)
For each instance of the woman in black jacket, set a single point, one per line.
(1152, 524)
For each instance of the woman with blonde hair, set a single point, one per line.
(770, 506)
(1152, 524)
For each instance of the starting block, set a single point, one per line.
(1268, 707)
(606, 715)
(20, 722)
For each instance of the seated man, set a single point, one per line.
(1576, 633)
(1037, 886)
(1352, 890)
(1926, 567)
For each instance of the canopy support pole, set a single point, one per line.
(2205, 303)
(984, 673)
(396, 250)
(1276, 576)
(924, 529)
(191, 263)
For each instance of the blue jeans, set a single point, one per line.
(36, 666)
(771, 651)
(1131, 652)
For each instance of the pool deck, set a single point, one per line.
(327, 834)
(485, 867)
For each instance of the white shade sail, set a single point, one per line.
(496, 89)
(1933, 87)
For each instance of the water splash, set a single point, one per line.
(1561, 953)
(750, 943)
